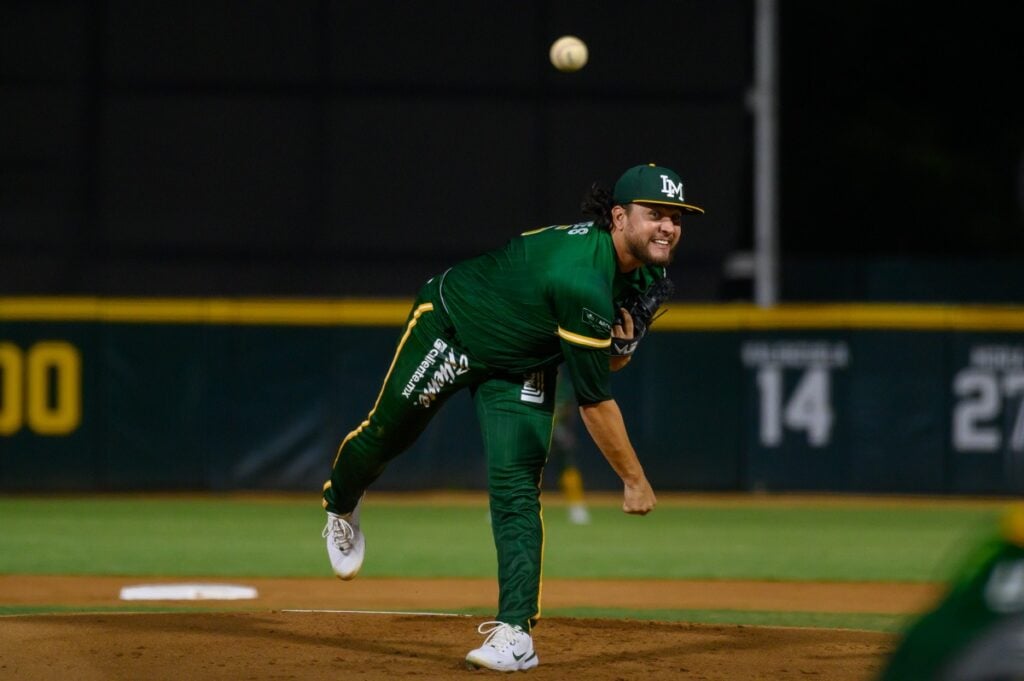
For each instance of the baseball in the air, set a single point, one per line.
(568, 53)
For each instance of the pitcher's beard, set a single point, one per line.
(643, 253)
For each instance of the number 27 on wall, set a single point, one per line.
(986, 400)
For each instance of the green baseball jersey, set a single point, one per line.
(547, 295)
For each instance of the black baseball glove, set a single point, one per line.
(642, 308)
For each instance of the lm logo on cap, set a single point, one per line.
(670, 188)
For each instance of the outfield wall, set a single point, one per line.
(119, 394)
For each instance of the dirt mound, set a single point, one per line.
(329, 646)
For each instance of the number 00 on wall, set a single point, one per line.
(40, 388)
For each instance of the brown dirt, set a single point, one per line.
(267, 639)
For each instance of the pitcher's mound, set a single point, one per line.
(314, 645)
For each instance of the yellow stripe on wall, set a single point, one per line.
(842, 316)
(393, 312)
(285, 312)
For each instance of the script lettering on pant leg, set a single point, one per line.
(429, 360)
(453, 365)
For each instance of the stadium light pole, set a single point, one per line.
(763, 101)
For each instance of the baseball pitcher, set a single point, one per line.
(500, 325)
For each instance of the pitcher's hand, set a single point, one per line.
(638, 498)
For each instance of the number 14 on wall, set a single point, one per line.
(807, 408)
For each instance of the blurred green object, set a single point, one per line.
(976, 633)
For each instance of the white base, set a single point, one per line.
(186, 592)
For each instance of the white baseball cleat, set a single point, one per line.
(507, 648)
(346, 544)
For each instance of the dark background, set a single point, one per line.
(344, 148)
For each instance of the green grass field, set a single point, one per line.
(245, 536)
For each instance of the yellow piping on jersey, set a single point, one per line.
(425, 307)
(584, 340)
(557, 228)
(540, 579)
(535, 231)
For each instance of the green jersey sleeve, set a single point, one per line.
(582, 302)
(589, 371)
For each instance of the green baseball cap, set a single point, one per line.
(652, 184)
